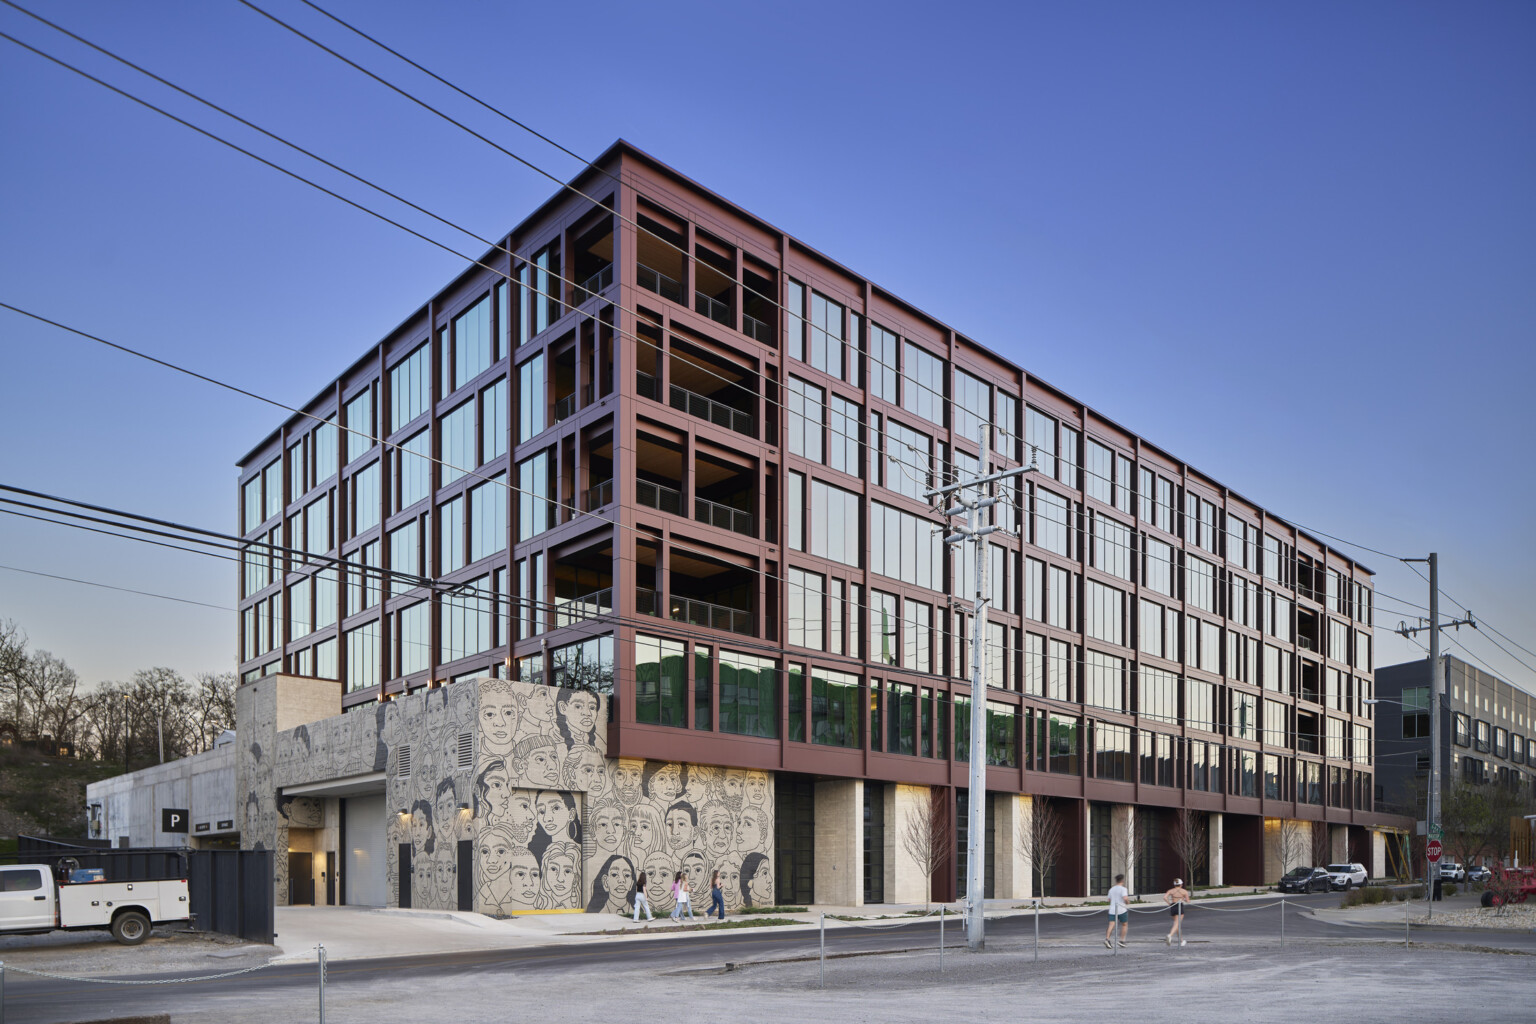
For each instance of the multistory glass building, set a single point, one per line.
(653, 447)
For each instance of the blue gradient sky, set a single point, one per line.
(1293, 244)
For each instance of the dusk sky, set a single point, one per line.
(1292, 244)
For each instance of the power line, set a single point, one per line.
(126, 590)
(874, 450)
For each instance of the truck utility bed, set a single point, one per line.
(90, 904)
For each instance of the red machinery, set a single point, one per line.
(1510, 885)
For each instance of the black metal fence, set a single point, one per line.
(230, 891)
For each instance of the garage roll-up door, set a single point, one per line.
(364, 878)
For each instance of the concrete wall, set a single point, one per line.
(905, 881)
(203, 785)
(839, 871)
(1012, 875)
(1217, 842)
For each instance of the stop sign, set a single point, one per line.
(1433, 850)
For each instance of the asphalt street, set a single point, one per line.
(1251, 928)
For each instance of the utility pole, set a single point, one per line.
(1436, 696)
(976, 819)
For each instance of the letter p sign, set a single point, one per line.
(173, 819)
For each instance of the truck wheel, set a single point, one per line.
(130, 928)
(1488, 899)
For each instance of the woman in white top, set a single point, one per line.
(680, 894)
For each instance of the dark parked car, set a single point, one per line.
(1480, 873)
(1306, 880)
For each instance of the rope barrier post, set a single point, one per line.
(1282, 922)
(321, 956)
(1037, 930)
(2, 992)
(941, 941)
(1405, 936)
(823, 950)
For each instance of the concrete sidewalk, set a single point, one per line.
(351, 933)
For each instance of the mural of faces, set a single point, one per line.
(614, 887)
(585, 772)
(732, 786)
(494, 790)
(496, 847)
(445, 874)
(645, 831)
(540, 708)
(665, 783)
(696, 869)
(730, 887)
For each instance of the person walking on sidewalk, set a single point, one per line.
(680, 897)
(1176, 898)
(640, 900)
(1119, 913)
(716, 896)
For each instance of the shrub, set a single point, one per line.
(1352, 898)
(1448, 889)
(1373, 894)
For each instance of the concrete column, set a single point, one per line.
(1378, 865)
(1272, 836)
(1122, 851)
(904, 878)
(1338, 844)
(1011, 875)
(1213, 853)
(839, 878)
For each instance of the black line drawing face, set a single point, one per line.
(445, 811)
(445, 875)
(757, 879)
(609, 831)
(662, 781)
(757, 790)
(540, 709)
(578, 717)
(695, 866)
(557, 815)
(626, 781)
(732, 786)
(537, 759)
(681, 823)
(523, 880)
(585, 772)
(521, 817)
(719, 827)
(498, 719)
(421, 829)
(496, 849)
(751, 829)
(560, 877)
(493, 793)
(613, 889)
(730, 887)
(658, 881)
(645, 831)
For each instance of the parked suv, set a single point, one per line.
(1306, 880)
(1481, 873)
(1450, 871)
(1346, 875)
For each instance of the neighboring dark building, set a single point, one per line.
(656, 484)
(1487, 733)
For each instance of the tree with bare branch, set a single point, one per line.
(1292, 842)
(1043, 834)
(1125, 847)
(928, 837)
(1322, 843)
(1188, 840)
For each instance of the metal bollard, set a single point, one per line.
(2, 992)
(941, 940)
(1282, 922)
(321, 956)
(1037, 931)
(823, 951)
(1405, 931)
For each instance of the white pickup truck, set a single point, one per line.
(30, 902)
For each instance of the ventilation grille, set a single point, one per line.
(403, 761)
(466, 751)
